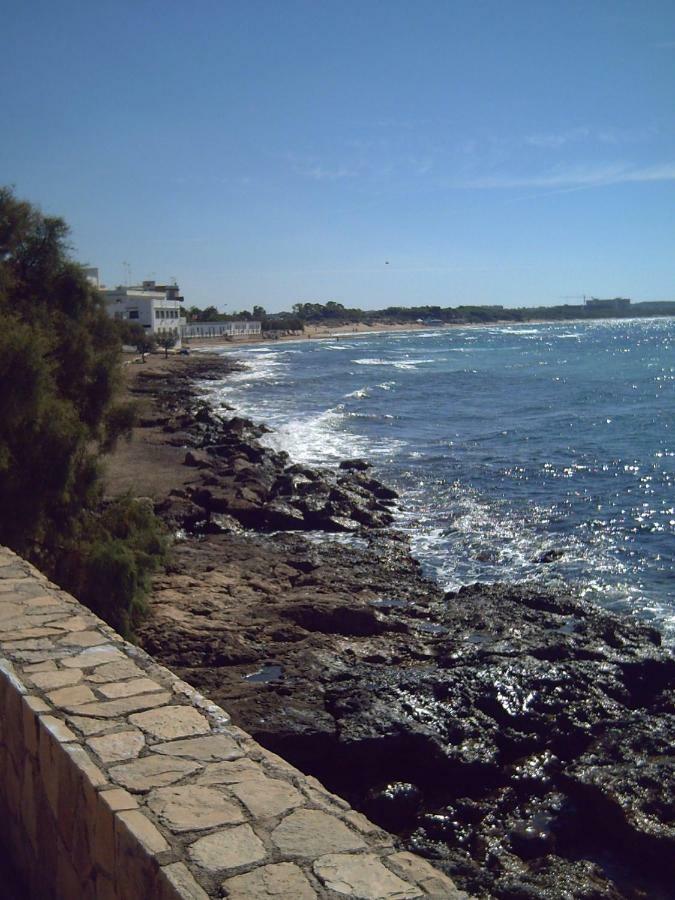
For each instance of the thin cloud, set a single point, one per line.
(556, 139)
(311, 167)
(598, 176)
(324, 173)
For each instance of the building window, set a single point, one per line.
(133, 313)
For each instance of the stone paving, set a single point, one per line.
(151, 789)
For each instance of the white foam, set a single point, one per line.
(372, 362)
(317, 439)
(358, 395)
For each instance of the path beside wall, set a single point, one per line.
(118, 781)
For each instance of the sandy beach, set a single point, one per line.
(315, 332)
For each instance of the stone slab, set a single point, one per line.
(171, 722)
(181, 884)
(266, 797)
(95, 656)
(49, 680)
(117, 746)
(114, 690)
(68, 697)
(310, 833)
(151, 772)
(214, 747)
(111, 709)
(280, 881)
(192, 808)
(434, 882)
(223, 850)
(115, 671)
(363, 876)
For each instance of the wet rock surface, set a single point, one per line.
(520, 738)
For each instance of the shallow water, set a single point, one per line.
(540, 451)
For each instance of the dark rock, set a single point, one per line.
(333, 619)
(198, 459)
(281, 515)
(395, 806)
(550, 556)
(355, 465)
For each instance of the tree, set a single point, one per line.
(59, 366)
(59, 371)
(145, 343)
(167, 340)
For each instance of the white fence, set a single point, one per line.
(232, 329)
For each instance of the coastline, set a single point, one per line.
(359, 329)
(440, 715)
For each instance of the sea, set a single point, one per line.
(541, 451)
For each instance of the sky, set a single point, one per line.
(371, 152)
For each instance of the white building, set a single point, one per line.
(231, 330)
(157, 307)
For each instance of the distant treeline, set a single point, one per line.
(332, 313)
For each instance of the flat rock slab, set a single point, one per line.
(312, 833)
(68, 697)
(214, 748)
(284, 880)
(113, 709)
(115, 690)
(172, 722)
(117, 746)
(48, 681)
(434, 882)
(115, 671)
(227, 772)
(266, 797)
(151, 772)
(362, 876)
(222, 850)
(96, 656)
(192, 808)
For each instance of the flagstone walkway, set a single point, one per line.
(119, 780)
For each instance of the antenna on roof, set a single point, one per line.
(127, 269)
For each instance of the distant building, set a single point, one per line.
(157, 307)
(615, 304)
(229, 330)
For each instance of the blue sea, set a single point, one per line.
(540, 451)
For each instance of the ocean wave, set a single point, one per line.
(394, 363)
(323, 439)
(372, 362)
(359, 394)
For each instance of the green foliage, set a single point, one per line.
(110, 565)
(145, 343)
(59, 373)
(59, 368)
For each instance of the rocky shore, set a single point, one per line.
(519, 738)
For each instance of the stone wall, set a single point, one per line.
(119, 781)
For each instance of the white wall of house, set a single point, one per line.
(156, 311)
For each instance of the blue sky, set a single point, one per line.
(274, 152)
